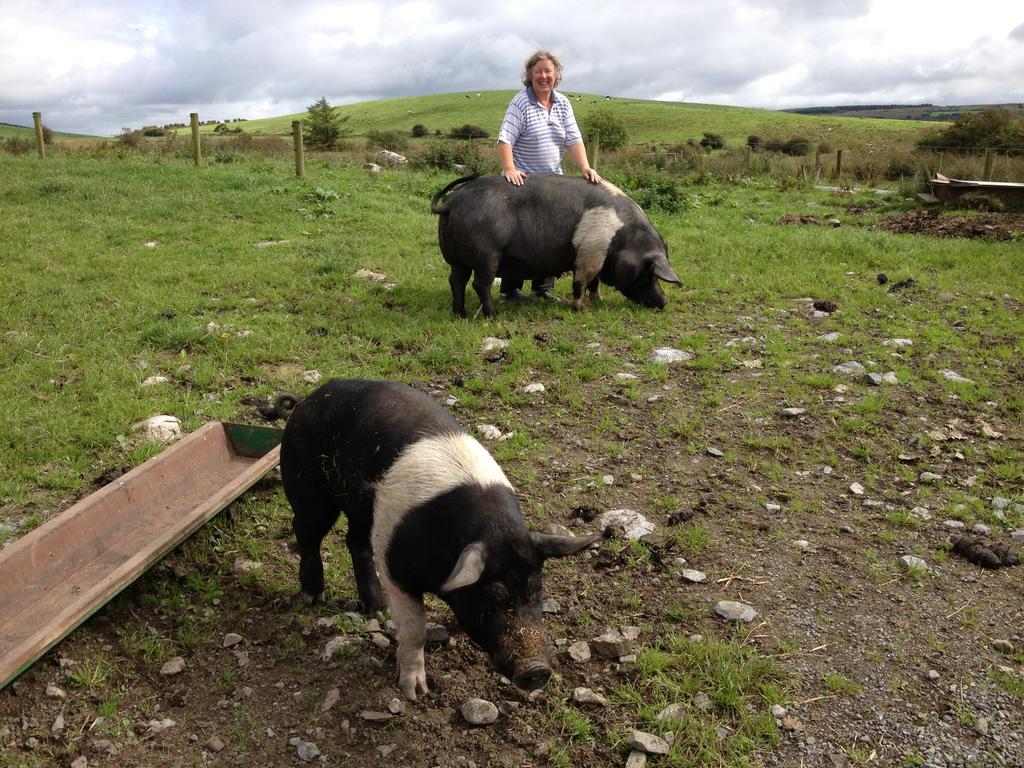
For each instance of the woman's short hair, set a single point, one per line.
(540, 55)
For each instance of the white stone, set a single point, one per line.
(332, 646)
(312, 377)
(831, 337)
(954, 376)
(231, 639)
(586, 696)
(479, 712)
(173, 666)
(488, 431)
(648, 742)
(793, 412)
(897, 343)
(857, 489)
(369, 274)
(533, 389)
(387, 157)
(579, 651)
(673, 714)
(161, 429)
(331, 698)
(731, 610)
(693, 576)
(635, 524)
(911, 562)
(849, 368)
(492, 343)
(154, 381)
(626, 377)
(665, 355)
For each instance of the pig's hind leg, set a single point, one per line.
(313, 517)
(458, 279)
(483, 276)
(361, 550)
(411, 619)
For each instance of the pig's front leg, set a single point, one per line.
(411, 619)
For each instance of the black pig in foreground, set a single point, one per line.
(428, 506)
(550, 225)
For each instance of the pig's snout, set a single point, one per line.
(532, 674)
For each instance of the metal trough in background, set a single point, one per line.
(55, 577)
(950, 190)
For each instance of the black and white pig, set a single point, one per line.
(550, 225)
(430, 511)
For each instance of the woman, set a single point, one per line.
(539, 126)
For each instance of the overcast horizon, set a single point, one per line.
(96, 68)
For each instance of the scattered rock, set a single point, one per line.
(306, 750)
(372, 716)
(369, 274)
(243, 566)
(53, 692)
(702, 701)
(586, 696)
(898, 343)
(332, 647)
(154, 381)
(396, 707)
(664, 355)
(648, 743)
(910, 562)
(636, 759)
(730, 610)
(386, 749)
(633, 524)
(312, 377)
(80, 762)
(231, 639)
(488, 431)
(792, 413)
(436, 634)
(159, 726)
(611, 644)
(160, 429)
(533, 389)
(715, 452)
(331, 698)
(849, 368)
(493, 344)
(949, 375)
(173, 666)
(214, 744)
(673, 714)
(778, 711)
(831, 337)
(693, 576)
(1003, 646)
(929, 477)
(856, 489)
(579, 651)
(393, 159)
(479, 712)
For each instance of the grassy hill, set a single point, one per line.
(9, 130)
(662, 122)
(930, 112)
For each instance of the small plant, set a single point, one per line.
(325, 129)
(841, 684)
(91, 673)
(468, 131)
(392, 141)
(603, 130)
(712, 141)
(419, 130)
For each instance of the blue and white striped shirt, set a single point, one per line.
(539, 137)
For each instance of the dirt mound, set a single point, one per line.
(997, 226)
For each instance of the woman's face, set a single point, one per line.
(543, 76)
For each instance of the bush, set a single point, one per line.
(47, 135)
(994, 128)
(652, 189)
(391, 140)
(325, 130)
(468, 131)
(17, 145)
(825, 149)
(419, 130)
(445, 154)
(153, 130)
(754, 142)
(796, 147)
(130, 138)
(712, 141)
(602, 129)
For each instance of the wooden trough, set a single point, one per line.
(55, 577)
(949, 190)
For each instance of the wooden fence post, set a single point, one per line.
(839, 162)
(989, 161)
(37, 118)
(597, 147)
(300, 161)
(197, 152)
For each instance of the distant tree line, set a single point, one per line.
(994, 128)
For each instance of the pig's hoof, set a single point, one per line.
(412, 683)
(547, 296)
(308, 599)
(514, 296)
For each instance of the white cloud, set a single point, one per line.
(158, 60)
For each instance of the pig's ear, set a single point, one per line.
(469, 568)
(560, 546)
(664, 270)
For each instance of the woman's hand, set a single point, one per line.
(514, 177)
(592, 176)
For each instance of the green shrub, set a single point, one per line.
(445, 154)
(153, 130)
(712, 141)
(653, 189)
(796, 147)
(17, 145)
(419, 130)
(754, 142)
(391, 140)
(468, 131)
(603, 129)
(994, 128)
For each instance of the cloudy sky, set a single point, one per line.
(96, 67)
